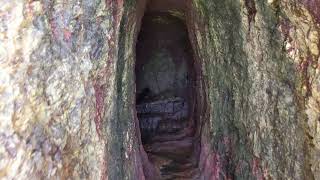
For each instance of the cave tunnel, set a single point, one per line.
(166, 94)
(160, 89)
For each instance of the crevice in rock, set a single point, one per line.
(166, 94)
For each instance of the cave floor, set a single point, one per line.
(168, 138)
(174, 156)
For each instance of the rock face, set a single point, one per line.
(164, 55)
(68, 96)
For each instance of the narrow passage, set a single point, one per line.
(164, 99)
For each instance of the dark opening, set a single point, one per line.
(165, 95)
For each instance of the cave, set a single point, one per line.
(165, 95)
(160, 89)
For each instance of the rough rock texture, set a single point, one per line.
(261, 70)
(163, 56)
(59, 94)
(52, 53)
(67, 96)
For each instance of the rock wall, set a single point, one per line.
(57, 66)
(261, 71)
(67, 96)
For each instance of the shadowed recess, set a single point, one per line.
(164, 98)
